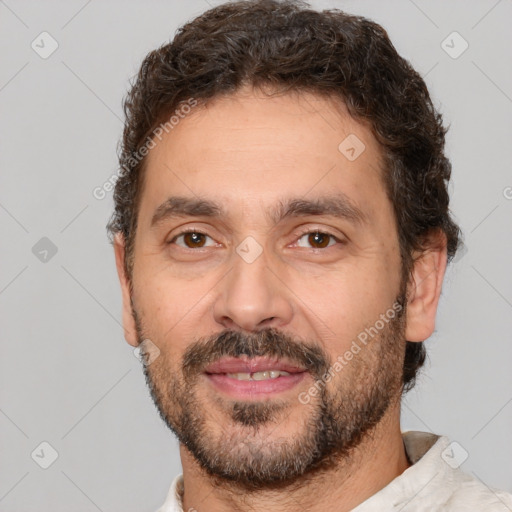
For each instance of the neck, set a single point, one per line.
(374, 463)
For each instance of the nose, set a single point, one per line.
(252, 297)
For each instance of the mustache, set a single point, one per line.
(265, 343)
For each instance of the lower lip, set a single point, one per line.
(250, 388)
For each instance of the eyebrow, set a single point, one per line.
(177, 206)
(335, 205)
(338, 205)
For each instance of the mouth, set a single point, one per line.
(256, 377)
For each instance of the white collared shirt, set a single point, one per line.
(434, 482)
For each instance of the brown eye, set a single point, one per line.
(193, 240)
(316, 240)
(319, 240)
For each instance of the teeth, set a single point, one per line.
(240, 376)
(270, 374)
(261, 375)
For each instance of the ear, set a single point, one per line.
(424, 289)
(130, 332)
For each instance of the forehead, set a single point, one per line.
(248, 149)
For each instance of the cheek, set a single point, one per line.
(163, 306)
(342, 303)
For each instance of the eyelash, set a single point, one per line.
(192, 230)
(299, 236)
(320, 232)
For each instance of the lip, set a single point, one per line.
(253, 365)
(216, 374)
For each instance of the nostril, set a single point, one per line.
(267, 320)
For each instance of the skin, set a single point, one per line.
(248, 152)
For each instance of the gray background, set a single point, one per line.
(67, 376)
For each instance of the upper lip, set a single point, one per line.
(253, 365)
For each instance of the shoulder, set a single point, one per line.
(448, 487)
(465, 492)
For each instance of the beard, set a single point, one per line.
(236, 442)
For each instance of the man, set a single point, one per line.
(281, 233)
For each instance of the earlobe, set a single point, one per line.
(130, 331)
(424, 289)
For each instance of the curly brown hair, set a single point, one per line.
(288, 46)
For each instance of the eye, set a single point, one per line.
(192, 240)
(317, 240)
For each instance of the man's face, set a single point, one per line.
(271, 280)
